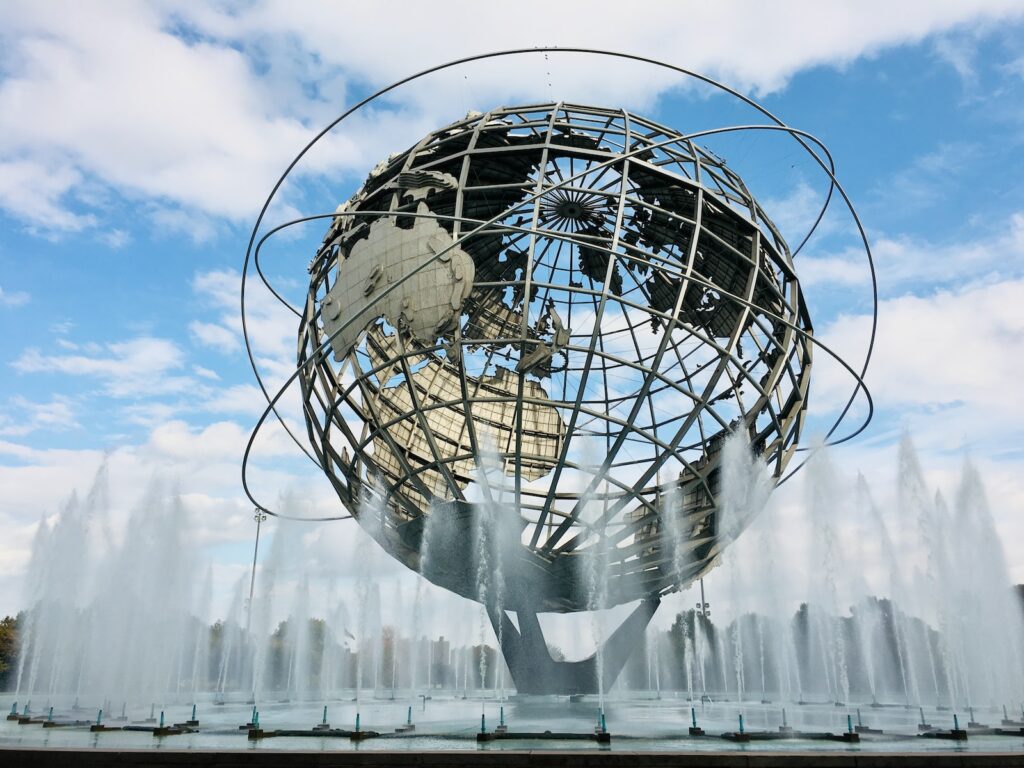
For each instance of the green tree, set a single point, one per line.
(8, 648)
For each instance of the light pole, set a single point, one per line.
(703, 607)
(259, 517)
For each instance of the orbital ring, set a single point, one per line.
(793, 132)
(859, 380)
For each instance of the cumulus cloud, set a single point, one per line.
(213, 335)
(757, 48)
(177, 441)
(241, 399)
(947, 363)
(188, 122)
(218, 98)
(35, 192)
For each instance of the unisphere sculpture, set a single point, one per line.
(525, 340)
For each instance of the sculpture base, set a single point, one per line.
(535, 672)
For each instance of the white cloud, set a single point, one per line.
(213, 335)
(948, 363)
(13, 298)
(239, 399)
(959, 49)
(148, 414)
(105, 94)
(205, 373)
(834, 270)
(220, 287)
(1015, 67)
(795, 214)
(927, 179)
(757, 47)
(149, 374)
(116, 238)
(34, 191)
(23, 416)
(176, 440)
(200, 228)
(958, 53)
(272, 327)
(129, 369)
(61, 327)
(902, 260)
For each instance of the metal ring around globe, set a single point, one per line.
(299, 369)
(829, 170)
(736, 299)
(515, 52)
(567, 236)
(674, 140)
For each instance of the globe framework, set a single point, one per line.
(543, 321)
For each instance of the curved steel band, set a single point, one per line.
(802, 138)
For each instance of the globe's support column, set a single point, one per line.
(534, 671)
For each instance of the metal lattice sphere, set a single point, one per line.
(576, 297)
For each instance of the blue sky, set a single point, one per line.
(137, 142)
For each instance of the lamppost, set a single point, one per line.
(703, 607)
(259, 517)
